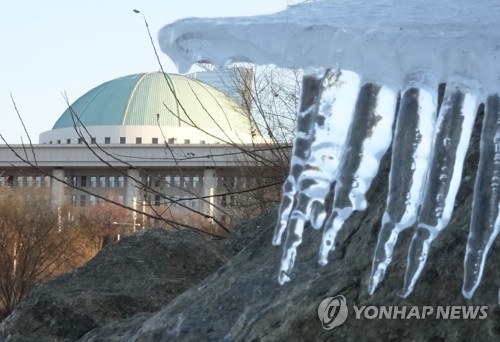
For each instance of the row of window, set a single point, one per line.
(123, 140)
(173, 181)
(226, 200)
(234, 182)
(97, 181)
(188, 200)
(227, 182)
(173, 201)
(119, 182)
(84, 200)
(25, 181)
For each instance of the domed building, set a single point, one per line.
(151, 107)
(146, 140)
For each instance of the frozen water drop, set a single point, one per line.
(485, 220)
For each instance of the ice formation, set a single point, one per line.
(359, 57)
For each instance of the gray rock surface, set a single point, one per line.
(242, 301)
(138, 274)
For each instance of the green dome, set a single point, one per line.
(150, 99)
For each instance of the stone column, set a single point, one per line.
(209, 184)
(57, 188)
(132, 189)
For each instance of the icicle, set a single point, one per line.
(410, 158)
(485, 223)
(369, 137)
(311, 86)
(451, 140)
(335, 112)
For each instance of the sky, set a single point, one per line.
(57, 47)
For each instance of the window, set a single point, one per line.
(187, 181)
(10, 180)
(83, 200)
(202, 142)
(177, 181)
(220, 182)
(157, 200)
(232, 182)
(93, 181)
(38, 181)
(68, 141)
(46, 181)
(157, 181)
(107, 140)
(59, 142)
(20, 181)
(138, 140)
(121, 181)
(123, 140)
(80, 141)
(196, 181)
(92, 200)
(171, 140)
(175, 201)
(93, 140)
(224, 201)
(111, 181)
(251, 182)
(187, 141)
(167, 181)
(74, 181)
(50, 142)
(29, 181)
(102, 182)
(83, 181)
(154, 141)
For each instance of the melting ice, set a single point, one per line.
(359, 58)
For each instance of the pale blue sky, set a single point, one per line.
(57, 46)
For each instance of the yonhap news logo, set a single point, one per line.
(333, 311)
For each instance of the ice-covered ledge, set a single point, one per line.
(361, 58)
(380, 39)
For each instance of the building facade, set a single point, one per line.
(150, 141)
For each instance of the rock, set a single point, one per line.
(246, 232)
(138, 274)
(243, 301)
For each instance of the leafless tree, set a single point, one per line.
(36, 242)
